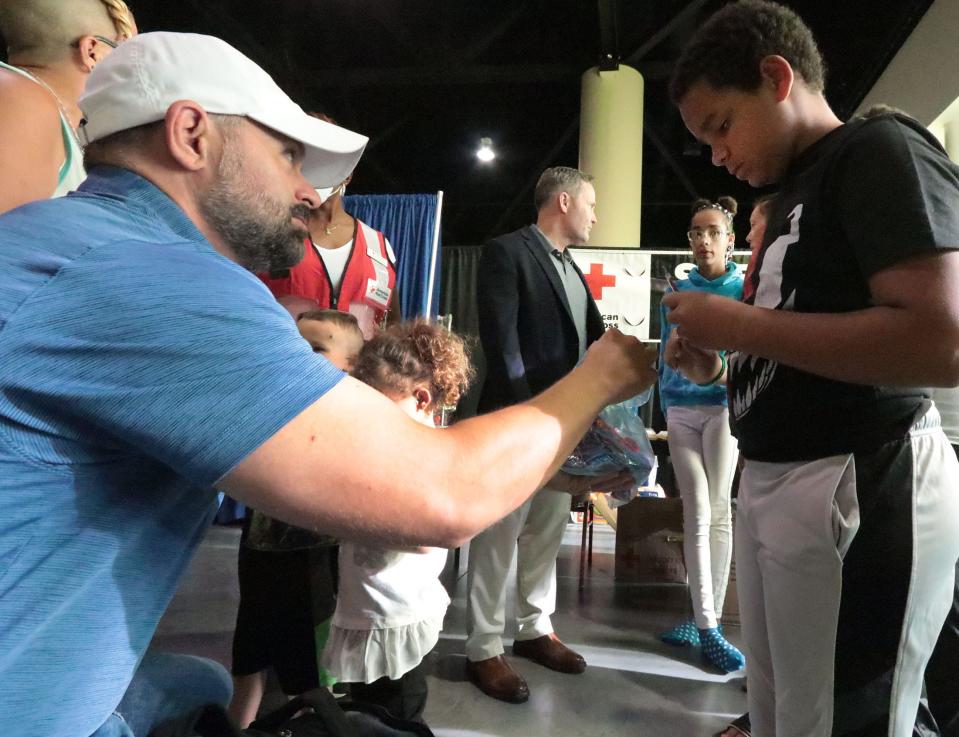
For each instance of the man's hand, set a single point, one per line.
(578, 485)
(622, 364)
(696, 364)
(707, 320)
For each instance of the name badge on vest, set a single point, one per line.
(378, 290)
(373, 251)
(377, 293)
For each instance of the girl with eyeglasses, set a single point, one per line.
(702, 450)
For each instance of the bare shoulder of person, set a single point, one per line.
(31, 141)
(29, 119)
(22, 98)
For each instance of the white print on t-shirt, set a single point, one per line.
(752, 373)
(760, 372)
(770, 291)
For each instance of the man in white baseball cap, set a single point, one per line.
(145, 366)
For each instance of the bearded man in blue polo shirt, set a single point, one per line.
(144, 365)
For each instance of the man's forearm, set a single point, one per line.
(910, 337)
(392, 481)
(877, 345)
(503, 457)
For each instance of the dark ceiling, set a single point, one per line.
(426, 79)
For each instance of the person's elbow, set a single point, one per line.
(450, 522)
(943, 354)
(950, 363)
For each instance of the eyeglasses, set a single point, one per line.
(102, 39)
(712, 234)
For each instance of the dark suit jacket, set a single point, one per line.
(525, 325)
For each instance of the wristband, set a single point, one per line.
(719, 375)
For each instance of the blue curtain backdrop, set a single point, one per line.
(408, 221)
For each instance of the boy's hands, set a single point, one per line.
(696, 364)
(621, 364)
(707, 320)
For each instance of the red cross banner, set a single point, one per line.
(618, 279)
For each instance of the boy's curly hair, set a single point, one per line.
(416, 352)
(727, 49)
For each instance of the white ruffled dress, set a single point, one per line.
(389, 612)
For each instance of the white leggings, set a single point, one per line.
(703, 454)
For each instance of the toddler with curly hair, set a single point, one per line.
(391, 603)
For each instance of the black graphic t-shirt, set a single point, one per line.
(868, 195)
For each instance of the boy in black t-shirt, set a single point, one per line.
(848, 521)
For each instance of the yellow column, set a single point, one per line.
(611, 149)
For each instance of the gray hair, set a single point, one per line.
(558, 179)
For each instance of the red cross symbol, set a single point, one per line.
(596, 280)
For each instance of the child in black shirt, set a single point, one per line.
(848, 524)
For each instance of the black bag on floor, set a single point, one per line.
(323, 716)
(331, 718)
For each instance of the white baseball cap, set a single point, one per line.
(138, 82)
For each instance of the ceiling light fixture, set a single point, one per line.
(485, 151)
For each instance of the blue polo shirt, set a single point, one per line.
(137, 367)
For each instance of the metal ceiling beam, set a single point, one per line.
(667, 30)
(548, 160)
(608, 35)
(249, 42)
(609, 51)
(480, 45)
(478, 74)
(398, 31)
(669, 157)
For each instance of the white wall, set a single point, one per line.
(923, 77)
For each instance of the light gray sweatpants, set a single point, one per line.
(846, 567)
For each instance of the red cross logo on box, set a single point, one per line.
(596, 280)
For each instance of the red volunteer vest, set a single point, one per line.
(369, 277)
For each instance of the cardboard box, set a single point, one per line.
(731, 605)
(649, 541)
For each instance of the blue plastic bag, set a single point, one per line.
(616, 441)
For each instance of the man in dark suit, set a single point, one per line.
(536, 319)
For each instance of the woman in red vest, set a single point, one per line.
(346, 266)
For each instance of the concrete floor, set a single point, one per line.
(634, 684)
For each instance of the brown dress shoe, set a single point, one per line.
(550, 652)
(495, 677)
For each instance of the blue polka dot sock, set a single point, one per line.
(684, 634)
(718, 652)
